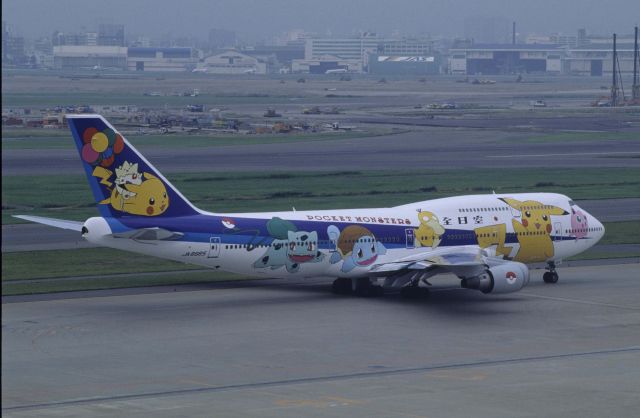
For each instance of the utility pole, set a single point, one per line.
(614, 85)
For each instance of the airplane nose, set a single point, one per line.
(599, 230)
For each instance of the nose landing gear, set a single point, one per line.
(550, 276)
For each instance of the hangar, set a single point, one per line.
(234, 62)
(597, 60)
(402, 65)
(89, 56)
(160, 59)
(594, 59)
(325, 63)
(496, 59)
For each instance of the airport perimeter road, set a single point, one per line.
(254, 349)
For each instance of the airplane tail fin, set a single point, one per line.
(123, 182)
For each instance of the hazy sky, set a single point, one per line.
(255, 19)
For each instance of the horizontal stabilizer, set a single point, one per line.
(58, 223)
(149, 234)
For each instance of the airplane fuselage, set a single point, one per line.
(528, 227)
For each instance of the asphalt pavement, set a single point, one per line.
(266, 348)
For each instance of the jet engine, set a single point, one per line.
(501, 278)
(94, 229)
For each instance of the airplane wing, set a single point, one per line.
(477, 268)
(58, 223)
(463, 261)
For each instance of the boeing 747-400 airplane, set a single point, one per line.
(485, 240)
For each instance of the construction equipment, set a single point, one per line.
(635, 89)
(315, 110)
(614, 84)
(271, 113)
(281, 128)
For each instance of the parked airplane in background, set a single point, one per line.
(485, 240)
(337, 71)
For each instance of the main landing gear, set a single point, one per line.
(550, 276)
(414, 292)
(362, 286)
(342, 286)
(359, 287)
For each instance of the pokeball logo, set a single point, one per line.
(511, 277)
(228, 223)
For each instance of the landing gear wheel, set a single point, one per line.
(341, 286)
(362, 287)
(414, 292)
(376, 291)
(550, 277)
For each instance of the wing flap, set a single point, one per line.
(462, 261)
(149, 234)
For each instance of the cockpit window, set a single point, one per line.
(572, 203)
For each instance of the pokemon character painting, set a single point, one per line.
(485, 240)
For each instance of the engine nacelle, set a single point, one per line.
(502, 278)
(94, 229)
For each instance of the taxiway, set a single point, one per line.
(276, 348)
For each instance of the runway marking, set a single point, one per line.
(457, 376)
(585, 302)
(323, 402)
(569, 154)
(317, 379)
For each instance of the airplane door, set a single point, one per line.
(410, 238)
(214, 247)
(515, 212)
(557, 231)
